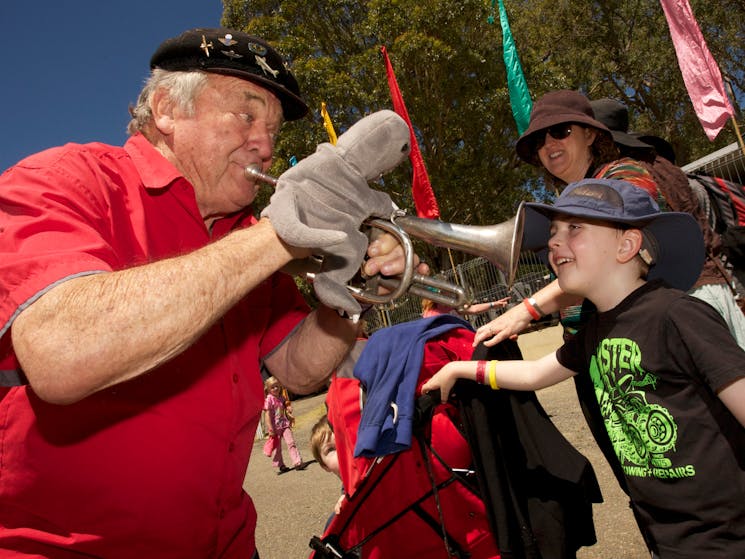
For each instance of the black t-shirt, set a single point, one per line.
(655, 363)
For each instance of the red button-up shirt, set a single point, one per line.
(152, 467)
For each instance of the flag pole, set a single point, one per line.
(739, 136)
(731, 93)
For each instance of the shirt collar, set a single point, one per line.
(155, 171)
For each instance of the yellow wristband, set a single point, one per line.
(493, 375)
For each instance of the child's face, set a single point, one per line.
(582, 252)
(329, 456)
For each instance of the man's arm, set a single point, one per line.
(308, 357)
(92, 332)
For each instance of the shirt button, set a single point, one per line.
(222, 514)
(231, 447)
(235, 378)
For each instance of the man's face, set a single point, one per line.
(235, 124)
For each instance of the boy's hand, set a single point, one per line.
(443, 380)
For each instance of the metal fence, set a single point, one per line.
(482, 281)
(727, 163)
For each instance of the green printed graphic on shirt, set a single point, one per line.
(643, 434)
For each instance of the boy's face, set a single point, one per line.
(329, 456)
(583, 252)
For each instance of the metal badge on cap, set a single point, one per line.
(205, 46)
(256, 48)
(228, 40)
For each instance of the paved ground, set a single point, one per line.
(295, 506)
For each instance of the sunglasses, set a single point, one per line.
(557, 132)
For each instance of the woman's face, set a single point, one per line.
(566, 156)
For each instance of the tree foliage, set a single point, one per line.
(448, 61)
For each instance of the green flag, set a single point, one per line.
(518, 88)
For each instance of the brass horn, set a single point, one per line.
(500, 244)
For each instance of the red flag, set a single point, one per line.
(701, 74)
(421, 189)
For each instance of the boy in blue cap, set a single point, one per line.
(668, 377)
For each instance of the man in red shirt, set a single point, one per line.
(138, 297)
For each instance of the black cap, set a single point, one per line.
(227, 51)
(660, 145)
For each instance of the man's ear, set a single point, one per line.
(629, 245)
(162, 108)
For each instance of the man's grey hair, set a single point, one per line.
(183, 87)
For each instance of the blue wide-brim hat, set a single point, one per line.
(677, 241)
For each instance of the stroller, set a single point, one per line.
(431, 496)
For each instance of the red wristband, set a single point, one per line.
(480, 371)
(531, 309)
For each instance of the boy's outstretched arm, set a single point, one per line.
(515, 375)
(733, 396)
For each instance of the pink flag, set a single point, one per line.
(701, 74)
(421, 189)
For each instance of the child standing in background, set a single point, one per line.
(278, 424)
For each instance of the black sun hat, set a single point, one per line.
(615, 115)
(675, 241)
(235, 53)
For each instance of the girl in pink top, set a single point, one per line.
(278, 421)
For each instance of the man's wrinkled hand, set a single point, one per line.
(386, 257)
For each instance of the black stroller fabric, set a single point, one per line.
(538, 489)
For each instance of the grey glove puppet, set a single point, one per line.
(321, 202)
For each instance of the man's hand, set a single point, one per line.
(387, 258)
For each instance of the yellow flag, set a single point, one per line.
(327, 124)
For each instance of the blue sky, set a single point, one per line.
(71, 69)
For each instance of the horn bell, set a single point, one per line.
(500, 244)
